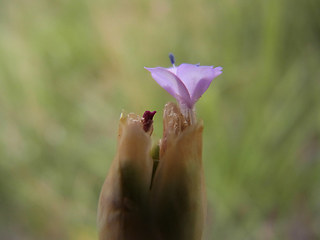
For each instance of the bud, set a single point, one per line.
(123, 204)
(178, 191)
(161, 199)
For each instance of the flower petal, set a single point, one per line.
(171, 83)
(197, 78)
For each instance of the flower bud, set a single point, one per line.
(123, 204)
(178, 192)
(163, 198)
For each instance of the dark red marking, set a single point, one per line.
(147, 120)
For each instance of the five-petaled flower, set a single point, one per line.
(186, 82)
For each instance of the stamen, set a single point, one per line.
(172, 60)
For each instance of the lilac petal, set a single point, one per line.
(171, 83)
(173, 70)
(197, 79)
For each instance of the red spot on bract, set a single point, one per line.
(147, 120)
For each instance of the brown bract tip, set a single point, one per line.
(147, 120)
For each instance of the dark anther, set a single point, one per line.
(172, 60)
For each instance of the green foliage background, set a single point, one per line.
(68, 68)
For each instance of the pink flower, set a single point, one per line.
(186, 82)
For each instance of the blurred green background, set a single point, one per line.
(68, 68)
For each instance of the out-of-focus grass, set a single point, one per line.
(68, 68)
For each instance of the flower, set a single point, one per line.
(186, 82)
(161, 195)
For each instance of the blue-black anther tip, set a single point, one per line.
(172, 60)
